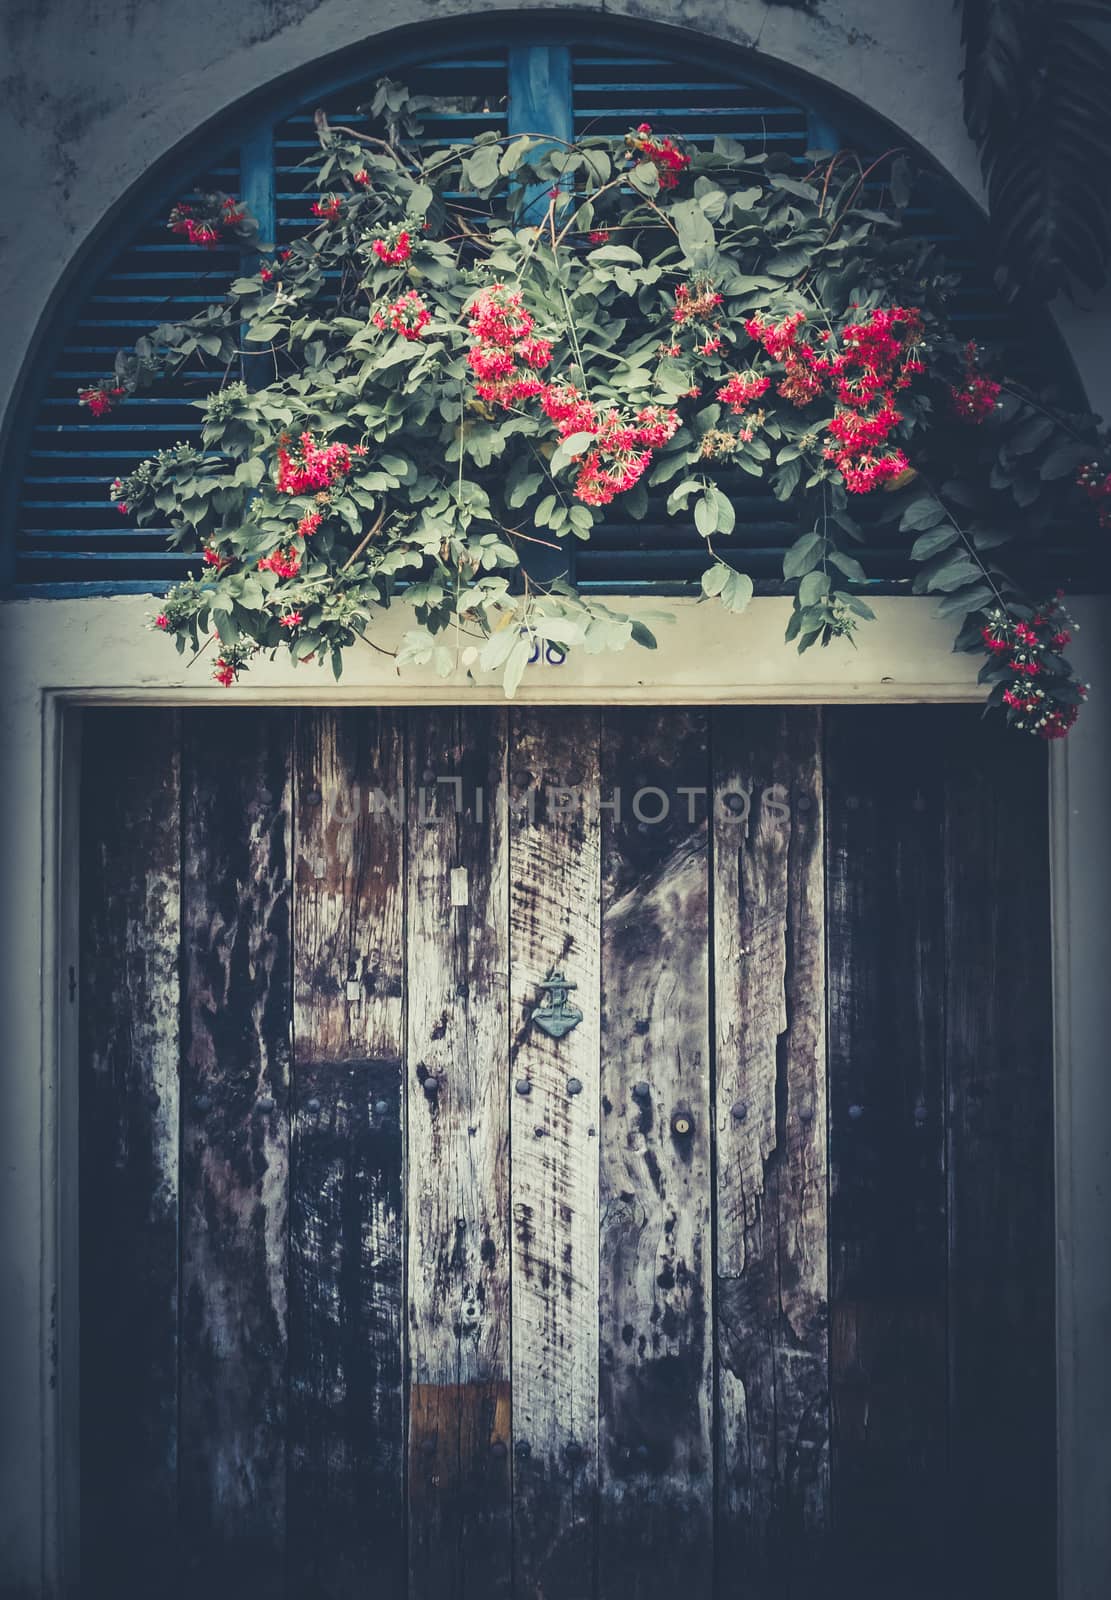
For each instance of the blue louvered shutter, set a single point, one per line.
(68, 535)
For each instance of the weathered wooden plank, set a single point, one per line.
(234, 1151)
(346, 1524)
(888, 1251)
(771, 1248)
(999, 1049)
(457, 1087)
(555, 889)
(129, 1050)
(656, 1450)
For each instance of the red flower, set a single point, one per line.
(99, 399)
(162, 621)
(408, 316)
(668, 159)
(695, 302)
(395, 252)
(224, 672)
(282, 563)
(976, 397)
(506, 354)
(742, 388)
(599, 236)
(361, 178)
(327, 210)
(309, 524)
(318, 467)
(292, 619)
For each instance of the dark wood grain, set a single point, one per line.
(235, 1149)
(771, 1266)
(656, 1451)
(346, 1524)
(886, 941)
(555, 890)
(457, 1089)
(129, 1043)
(1001, 1252)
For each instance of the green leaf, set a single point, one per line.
(481, 169)
(705, 516)
(963, 601)
(715, 578)
(849, 566)
(803, 555)
(737, 591)
(515, 666)
(814, 587)
(696, 231)
(952, 574)
(925, 512)
(934, 539)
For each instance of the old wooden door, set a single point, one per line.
(741, 1286)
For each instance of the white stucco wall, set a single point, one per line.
(93, 96)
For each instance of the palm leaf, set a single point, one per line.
(1036, 101)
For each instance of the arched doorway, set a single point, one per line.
(765, 1502)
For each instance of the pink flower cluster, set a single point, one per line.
(395, 248)
(506, 354)
(877, 358)
(408, 316)
(620, 450)
(976, 396)
(665, 156)
(1030, 650)
(739, 391)
(282, 563)
(206, 225)
(1096, 484)
(310, 466)
(100, 398)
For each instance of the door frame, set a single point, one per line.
(83, 662)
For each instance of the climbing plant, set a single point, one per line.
(477, 350)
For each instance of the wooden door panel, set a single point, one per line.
(770, 1116)
(129, 1127)
(886, 942)
(235, 1150)
(555, 886)
(345, 1484)
(387, 1289)
(457, 1089)
(656, 1455)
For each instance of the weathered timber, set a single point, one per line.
(771, 1266)
(555, 888)
(346, 1524)
(656, 1451)
(885, 820)
(1001, 1244)
(457, 1088)
(129, 1047)
(235, 1149)
(559, 1447)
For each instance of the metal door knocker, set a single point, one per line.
(556, 1016)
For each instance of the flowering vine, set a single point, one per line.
(483, 349)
